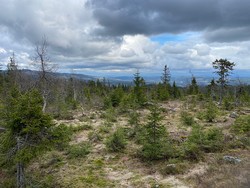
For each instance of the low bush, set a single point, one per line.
(94, 136)
(211, 112)
(242, 125)
(187, 119)
(202, 141)
(116, 142)
(79, 150)
(173, 168)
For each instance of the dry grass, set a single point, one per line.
(103, 169)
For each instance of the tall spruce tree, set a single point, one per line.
(166, 75)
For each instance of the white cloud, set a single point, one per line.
(2, 51)
(74, 43)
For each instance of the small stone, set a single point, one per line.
(232, 159)
(171, 165)
(233, 115)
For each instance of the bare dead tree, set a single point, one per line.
(45, 67)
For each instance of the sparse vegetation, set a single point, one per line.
(105, 135)
(116, 142)
(78, 150)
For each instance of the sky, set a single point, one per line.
(119, 37)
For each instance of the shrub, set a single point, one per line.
(213, 140)
(200, 141)
(211, 112)
(105, 128)
(172, 169)
(242, 125)
(117, 141)
(187, 119)
(192, 151)
(227, 104)
(94, 136)
(79, 150)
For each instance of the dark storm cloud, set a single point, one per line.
(228, 34)
(149, 17)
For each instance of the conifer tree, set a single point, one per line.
(193, 89)
(27, 130)
(224, 69)
(155, 144)
(166, 75)
(139, 89)
(175, 91)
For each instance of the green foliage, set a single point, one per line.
(162, 92)
(29, 132)
(61, 136)
(227, 103)
(116, 142)
(94, 180)
(139, 89)
(173, 168)
(166, 75)
(135, 125)
(79, 150)
(105, 128)
(214, 140)
(8, 183)
(116, 96)
(94, 136)
(175, 92)
(110, 115)
(26, 123)
(200, 141)
(242, 125)
(211, 112)
(224, 68)
(193, 89)
(187, 119)
(154, 137)
(127, 102)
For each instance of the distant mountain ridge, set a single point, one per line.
(181, 77)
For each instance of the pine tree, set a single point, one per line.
(155, 144)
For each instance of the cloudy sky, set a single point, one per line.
(117, 37)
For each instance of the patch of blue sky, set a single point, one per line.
(164, 38)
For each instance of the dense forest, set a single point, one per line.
(66, 132)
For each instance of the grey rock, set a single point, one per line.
(233, 115)
(232, 159)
